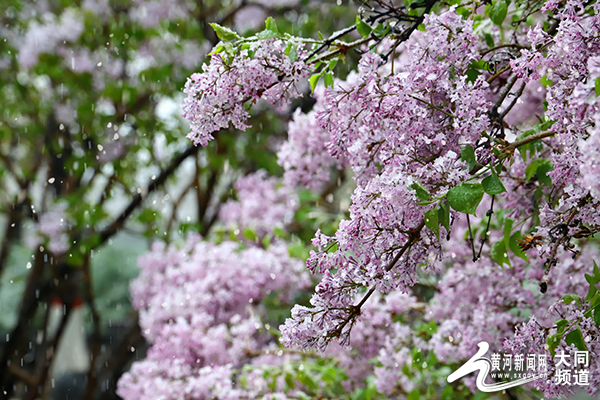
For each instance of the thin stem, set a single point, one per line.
(432, 106)
(111, 229)
(505, 91)
(342, 48)
(517, 46)
(512, 104)
(527, 140)
(471, 238)
(327, 42)
(497, 74)
(487, 228)
(551, 260)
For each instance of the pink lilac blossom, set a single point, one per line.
(249, 18)
(381, 124)
(377, 326)
(51, 230)
(45, 36)
(217, 96)
(150, 13)
(254, 191)
(200, 307)
(303, 156)
(569, 60)
(530, 337)
(482, 301)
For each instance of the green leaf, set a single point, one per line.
(267, 34)
(498, 253)
(466, 197)
(432, 222)
(571, 297)
(314, 79)
(472, 75)
(597, 317)
(328, 80)
(597, 87)
(467, 154)
(307, 381)
(422, 193)
(542, 173)
(508, 224)
(561, 325)
(533, 167)
(553, 341)
(498, 11)
(425, 202)
(575, 337)
(271, 25)
(444, 215)
(380, 30)
(489, 39)
(292, 51)
(546, 82)
(414, 395)
(266, 242)
(591, 292)
(289, 380)
(249, 234)
(362, 27)
(225, 34)
(514, 246)
(588, 278)
(596, 274)
(493, 185)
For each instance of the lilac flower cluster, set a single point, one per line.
(530, 337)
(200, 307)
(401, 129)
(254, 191)
(218, 95)
(383, 124)
(49, 34)
(51, 230)
(303, 156)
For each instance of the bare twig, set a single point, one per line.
(517, 95)
(327, 42)
(487, 228)
(471, 238)
(112, 228)
(527, 140)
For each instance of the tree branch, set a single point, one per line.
(112, 228)
(538, 136)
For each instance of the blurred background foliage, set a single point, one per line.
(91, 125)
